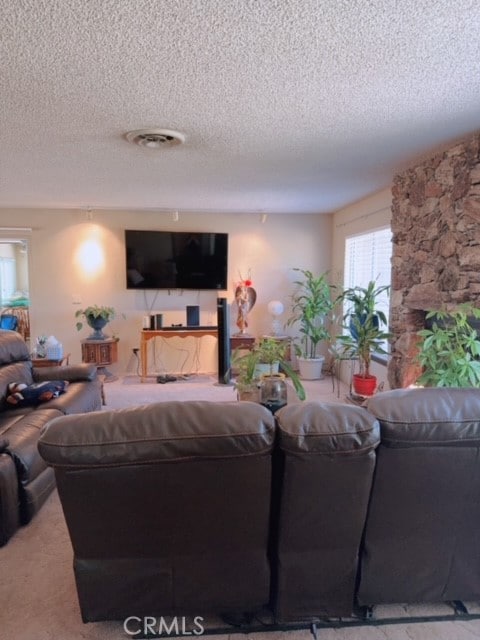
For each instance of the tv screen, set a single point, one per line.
(176, 260)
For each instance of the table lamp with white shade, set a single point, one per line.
(275, 309)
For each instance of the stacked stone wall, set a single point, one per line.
(436, 247)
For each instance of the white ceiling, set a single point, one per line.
(287, 105)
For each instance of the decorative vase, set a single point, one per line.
(245, 298)
(97, 323)
(364, 385)
(273, 391)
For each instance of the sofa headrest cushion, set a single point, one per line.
(159, 432)
(430, 416)
(12, 347)
(314, 428)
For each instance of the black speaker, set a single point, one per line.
(158, 321)
(193, 315)
(223, 342)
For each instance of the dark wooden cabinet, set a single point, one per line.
(241, 342)
(101, 353)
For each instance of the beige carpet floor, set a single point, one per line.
(37, 591)
(129, 390)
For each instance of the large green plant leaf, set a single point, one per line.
(449, 352)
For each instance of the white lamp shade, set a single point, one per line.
(275, 308)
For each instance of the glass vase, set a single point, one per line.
(273, 391)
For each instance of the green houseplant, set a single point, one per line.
(311, 306)
(364, 324)
(97, 317)
(449, 350)
(268, 352)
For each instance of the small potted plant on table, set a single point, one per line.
(251, 374)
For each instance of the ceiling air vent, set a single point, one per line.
(155, 138)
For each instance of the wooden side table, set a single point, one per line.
(242, 342)
(48, 362)
(101, 353)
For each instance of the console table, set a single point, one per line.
(180, 332)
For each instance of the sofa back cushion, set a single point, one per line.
(328, 465)
(423, 526)
(168, 506)
(12, 347)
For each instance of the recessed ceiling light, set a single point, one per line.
(155, 138)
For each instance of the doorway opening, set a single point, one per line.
(14, 285)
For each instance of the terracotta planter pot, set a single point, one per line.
(364, 386)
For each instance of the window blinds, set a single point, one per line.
(368, 257)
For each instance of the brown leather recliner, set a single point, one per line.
(423, 525)
(25, 479)
(329, 459)
(167, 505)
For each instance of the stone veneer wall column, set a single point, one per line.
(436, 247)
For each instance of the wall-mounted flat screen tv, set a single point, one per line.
(176, 260)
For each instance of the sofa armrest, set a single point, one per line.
(71, 373)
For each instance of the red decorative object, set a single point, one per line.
(364, 385)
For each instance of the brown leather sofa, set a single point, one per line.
(203, 508)
(25, 479)
(167, 505)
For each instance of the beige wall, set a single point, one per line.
(270, 250)
(365, 215)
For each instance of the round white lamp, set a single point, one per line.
(275, 309)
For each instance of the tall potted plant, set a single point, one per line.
(311, 306)
(449, 349)
(365, 332)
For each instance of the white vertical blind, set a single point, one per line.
(368, 257)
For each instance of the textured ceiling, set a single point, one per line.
(286, 105)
